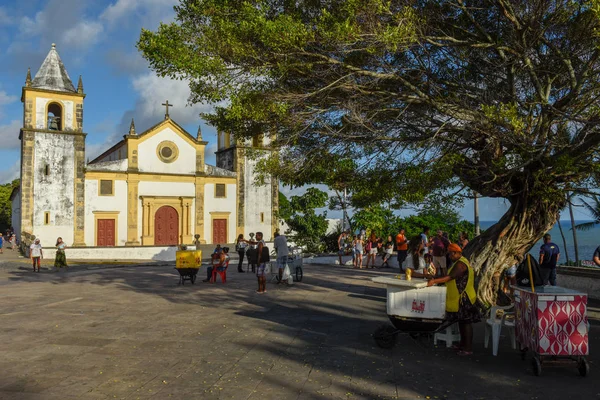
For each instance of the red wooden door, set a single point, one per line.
(219, 231)
(106, 232)
(166, 226)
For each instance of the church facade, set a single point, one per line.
(152, 188)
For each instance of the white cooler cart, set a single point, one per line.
(412, 307)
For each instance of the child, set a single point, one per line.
(36, 254)
(430, 268)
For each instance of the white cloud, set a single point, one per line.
(154, 90)
(9, 135)
(82, 35)
(5, 99)
(149, 11)
(7, 175)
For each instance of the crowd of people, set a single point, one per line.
(421, 251)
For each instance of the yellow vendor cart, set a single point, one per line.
(187, 263)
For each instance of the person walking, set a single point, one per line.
(36, 254)
(60, 261)
(13, 242)
(460, 297)
(240, 247)
(282, 251)
(549, 255)
(401, 247)
(1, 244)
(342, 245)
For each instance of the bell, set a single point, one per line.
(53, 125)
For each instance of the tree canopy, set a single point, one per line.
(497, 96)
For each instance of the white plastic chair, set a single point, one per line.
(494, 325)
(448, 335)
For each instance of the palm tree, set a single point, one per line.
(594, 209)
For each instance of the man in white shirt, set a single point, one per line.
(281, 248)
(36, 254)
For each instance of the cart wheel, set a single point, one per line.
(385, 336)
(299, 274)
(523, 354)
(537, 366)
(583, 366)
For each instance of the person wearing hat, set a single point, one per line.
(36, 254)
(460, 297)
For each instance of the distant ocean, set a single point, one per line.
(587, 241)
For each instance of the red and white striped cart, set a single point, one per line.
(551, 322)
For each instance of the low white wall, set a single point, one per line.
(347, 260)
(586, 280)
(155, 253)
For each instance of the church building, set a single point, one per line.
(152, 188)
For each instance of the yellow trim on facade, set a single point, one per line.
(35, 93)
(154, 177)
(174, 151)
(219, 215)
(132, 212)
(224, 190)
(106, 215)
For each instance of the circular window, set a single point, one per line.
(167, 151)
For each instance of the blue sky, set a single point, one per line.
(96, 39)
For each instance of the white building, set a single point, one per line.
(152, 188)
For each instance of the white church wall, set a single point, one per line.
(149, 162)
(53, 193)
(40, 111)
(224, 205)
(174, 189)
(258, 203)
(116, 204)
(16, 215)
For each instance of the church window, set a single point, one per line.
(220, 190)
(257, 140)
(167, 151)
(47, 170)
(47, 218)
(54, 117)
(262, 217)
(106, 188)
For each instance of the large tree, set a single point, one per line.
(496, 96)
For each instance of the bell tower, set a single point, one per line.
(52, 154)
(257, 205)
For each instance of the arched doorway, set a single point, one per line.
(166, 226)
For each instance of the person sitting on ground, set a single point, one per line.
(388, 250)
(281, 249)
(218, 263)
(460, 297)
(415, 260)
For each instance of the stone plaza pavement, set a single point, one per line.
(133, 333)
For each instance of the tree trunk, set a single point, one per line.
(505, 243)
(574, 231)
(564, 241)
